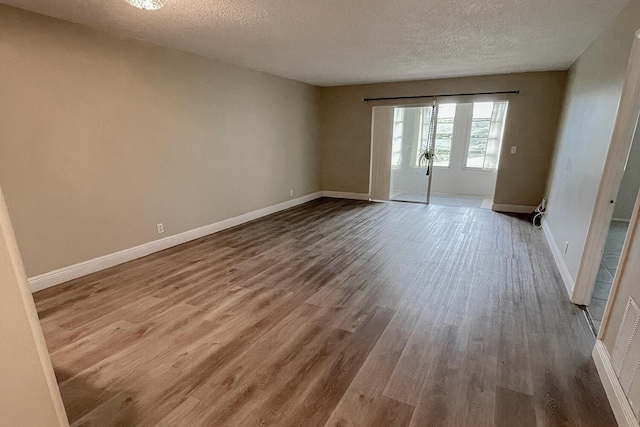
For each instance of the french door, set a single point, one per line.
(460, 143)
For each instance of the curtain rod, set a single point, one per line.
(506, 92)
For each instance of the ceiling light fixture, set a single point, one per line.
(147, 4)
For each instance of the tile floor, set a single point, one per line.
(608, 266)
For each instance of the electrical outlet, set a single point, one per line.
(291, 192)
(514, 149)
(566, 247)
(160, 228)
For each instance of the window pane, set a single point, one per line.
(486, 134)
(396, 142)
(444, 135)
(447, 111)
(482, 110)
(480, 125)
(478, 142)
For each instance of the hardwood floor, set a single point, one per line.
(336, 313)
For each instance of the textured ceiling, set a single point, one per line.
(331, 42)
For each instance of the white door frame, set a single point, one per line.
(621, 140)
(38, 400)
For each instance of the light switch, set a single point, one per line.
(514, 149)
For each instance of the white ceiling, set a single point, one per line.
(334, 42)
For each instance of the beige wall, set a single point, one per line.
(29, 394)
(103, 137)
(531, 125)
(593, 94)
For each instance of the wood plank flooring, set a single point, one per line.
(334, 313)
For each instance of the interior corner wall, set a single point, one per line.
(103, 137)
(532, 122)
(589, 113)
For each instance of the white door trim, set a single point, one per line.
(617, 399)
(24, 340)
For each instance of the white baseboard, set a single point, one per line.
(569, 283)
(617, 399)
(65, 274)
(341, 195)
(499, 207)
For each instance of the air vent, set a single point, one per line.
(625, 356)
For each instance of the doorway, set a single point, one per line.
(443, 154)
(410, 154)
(617, 232)
(619, 162)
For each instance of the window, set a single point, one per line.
(396, 145)
(444, 135)
(487, 126)
(467, 135)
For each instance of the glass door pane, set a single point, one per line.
(411, 138)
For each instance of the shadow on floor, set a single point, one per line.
(118, 409)
(518, 216)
